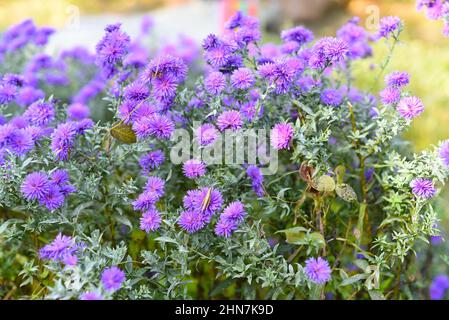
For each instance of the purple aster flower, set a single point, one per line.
(205, 200)
(53, 198)
(20, 122)
(111, 49)
(112, 278)
(436, 240)
(235, 211)
(225, 227)
(307, 83)
(388, 25)
(439, 286)
(59, 249)
(215, 83)
(194, 168)
(397, 79)
(6, 131)
(164, 88)
(35, 186)
(136, 91)
(206, 134)
(78, 111)
(191, 221)
(298, 34)
(444, 152)
(28, 95)
(390, 95)
(62, 139)
(356, 37)
(83, 125)
(229, 120)
(91, 296)
(423, 188)
(165, 66)
(410, 107)
(151, 160)
(7, 93)
(145, 201)
(150, 220)
(327, 51)
(281, 135)
(331, 97)
(36, 133)
(256, 177)
(15, 80)
(249, 109)
(242, 78)
(217, 57)
(318, 270)
(40, 113)
(155, 185)
(59, 177)
(156, 125)
(21, 142)
(290, 47)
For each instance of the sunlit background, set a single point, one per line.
(423, 51)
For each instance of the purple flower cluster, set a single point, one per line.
(317, 270)
(222, 53)
(331, 97)
(389, 27)
(242, 29)
(63, 137)
(200, 205)
(157, 125)
(164, 73)
(438, 287)
(61, 249)
(436, 10)
(395, 82)
(357, 39)
(327, 51)
(299, 34)
(229, 220)
(146, 202)
(22, 34)
(112, 49)
(151, 160)
(256, 177)
(50, 191)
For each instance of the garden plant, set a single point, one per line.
(234, 168)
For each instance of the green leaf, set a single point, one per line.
(293, 235)
(165, 239)
(346, 192)
(221, 286)
(376, 295)
(124, 133)
(353, 279)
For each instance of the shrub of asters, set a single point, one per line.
(94, 205)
